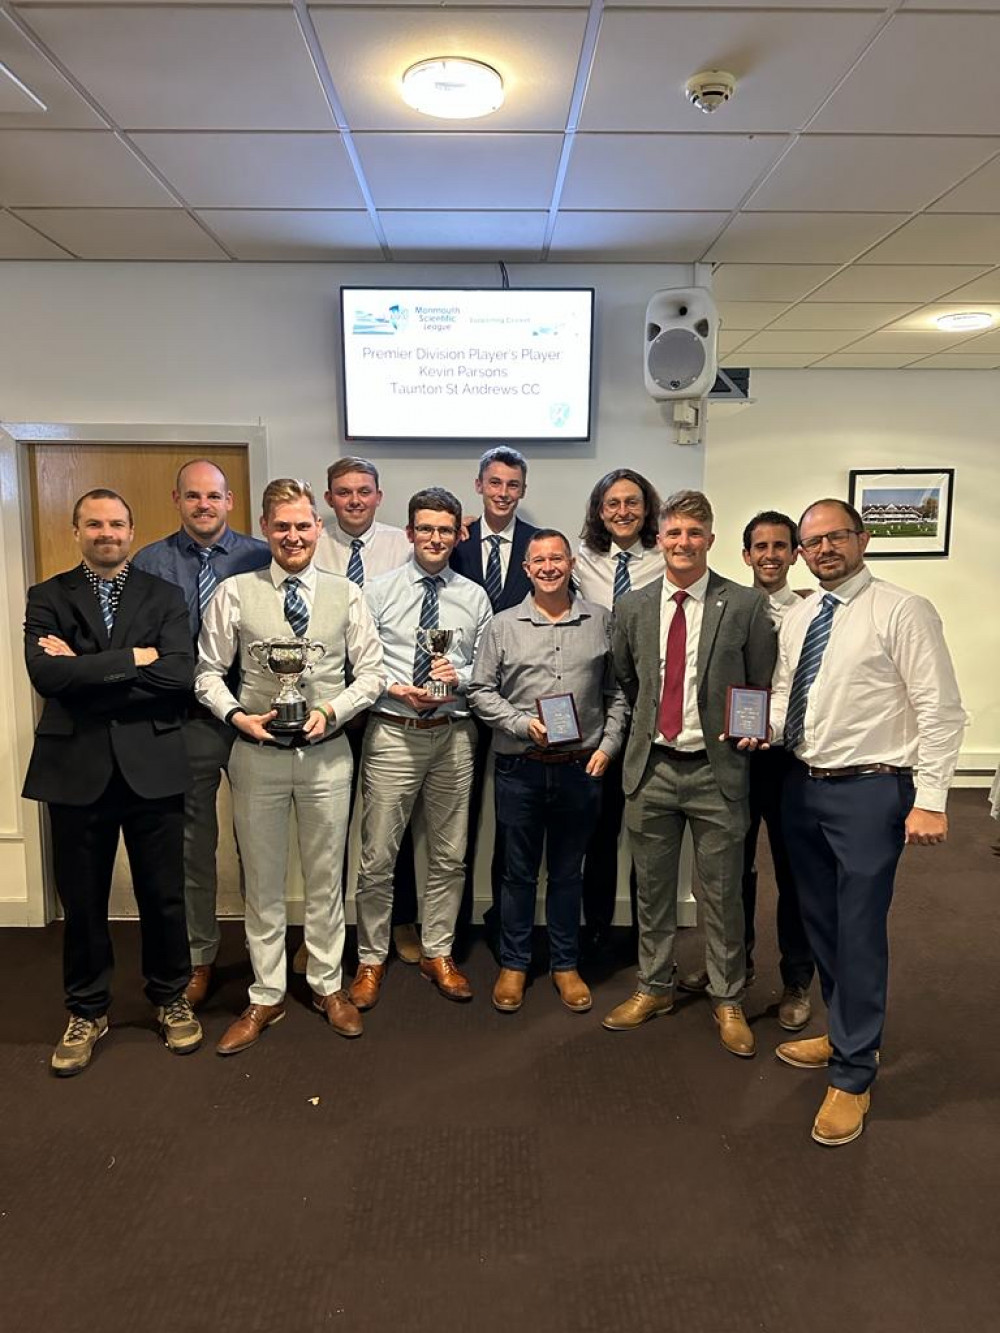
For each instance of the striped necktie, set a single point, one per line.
(813, 648)
(207, 580)
(493, 581)
(296, 611)
(623, 580)
(105, 587)
(355, 569)
(428, 620)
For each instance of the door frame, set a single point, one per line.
(23, 838)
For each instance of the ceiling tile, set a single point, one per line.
(988, 342)
(190, 68)
(986, 288)
(425, 235)
(926, 74)
(861, 316)
(74, 169)
(861, 361)
(934, 238)
(66, 109)
(890, 282)
(16, 98)
(270, 234)
(18, 241)
(913, 344)
(767, 282)
(803, 237)
(255, 170)
(784, 62)
(125, 233)
(689, 171)
(670, 238)
(979, 194)
(806, 340)
(876, 173)
(509, 171)
(535, 52)
(775, 360)
(729, 342)
(749, 314)
(955, 361)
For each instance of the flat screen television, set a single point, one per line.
(459, 363)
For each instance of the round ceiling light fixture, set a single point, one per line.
(453, 88)
(964, 321)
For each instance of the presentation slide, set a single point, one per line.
(440, 364)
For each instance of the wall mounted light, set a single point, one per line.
(453, 88)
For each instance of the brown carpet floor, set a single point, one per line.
(457, 1169)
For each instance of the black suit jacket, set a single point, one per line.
(100, 708)
(467, 559)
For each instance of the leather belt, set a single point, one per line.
(416, 723)
(683, 755)
(557, 756)
(857, 771)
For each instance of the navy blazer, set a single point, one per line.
(467, 559)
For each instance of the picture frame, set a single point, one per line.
(906, 510)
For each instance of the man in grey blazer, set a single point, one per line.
(678, 643)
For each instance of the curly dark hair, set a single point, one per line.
(595, 534)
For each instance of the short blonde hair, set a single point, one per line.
(688, 504)
(286, 490)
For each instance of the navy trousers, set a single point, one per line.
(844, 837)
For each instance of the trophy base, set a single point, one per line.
(291, 718)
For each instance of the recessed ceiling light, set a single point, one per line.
(962, 321)
(453, 88)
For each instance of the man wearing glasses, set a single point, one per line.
(417, 745)
(864, 693)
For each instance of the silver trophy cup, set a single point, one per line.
(288, 660)
(437, 641)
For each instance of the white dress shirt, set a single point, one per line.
(594, 574)
(780, 603)
(692, 609)
(506, 536)
(886, 691)
(218, 645)
(383, 548)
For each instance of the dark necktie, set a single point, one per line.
(296, 611)
(493, 581)
(105, 587)
(813, 648)
(355, 569)
(207, 581)
(428, 620)
(623, 580)
(670, 718)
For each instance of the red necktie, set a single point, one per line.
(670, 718)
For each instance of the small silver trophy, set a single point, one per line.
(436, 642)
(288, 660)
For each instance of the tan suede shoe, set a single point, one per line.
(367, 984)
(811, 1053)
(841, 1118)
(407, 943)
(638, 1009)
(735, 1030)
(573, 990)
(508, 990)
(248, 1027)
(301, 960)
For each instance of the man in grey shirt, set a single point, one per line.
(548, 786)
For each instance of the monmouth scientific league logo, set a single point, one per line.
(390, 321)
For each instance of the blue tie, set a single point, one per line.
(105, 587)
(296, 611)
(355, 569)
(623, 581)
(493, 582)
(428, 620)
(207, 581)
(813, 648)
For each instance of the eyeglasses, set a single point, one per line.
(634, 505)
(427, 530)
(839, 537)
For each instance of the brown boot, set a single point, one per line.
(637, 1009)
(446, 976)
(573, 990)
(365, 987)
(248, 1027)
(197, 988)
(342, 1016)
(841, 1118)
(508, 992)
(734, 1029)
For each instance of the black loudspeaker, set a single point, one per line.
(681, 346)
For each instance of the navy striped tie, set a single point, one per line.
(207, 580)
(623, 580)
(105, 587)
(493, 581)
(813, 648)
(296, 611)
(355, 569)
(428, 620)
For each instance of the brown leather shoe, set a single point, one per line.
(735, 1030)
(841, 1118)
(811, 1053)
(365, 987)
(407, 943)
(446, 976)
(637, 1009)
(300, 961)
(248, 1027)
(694, 983)
(508, 991)
(197, 988)
(341, 1014)
(795, 1008)
(573, 990)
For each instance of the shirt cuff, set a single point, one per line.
(931, 798)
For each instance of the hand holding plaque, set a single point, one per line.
(288, 660)
(747, 713)
(560, 718)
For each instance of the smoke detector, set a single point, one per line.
(710, 89)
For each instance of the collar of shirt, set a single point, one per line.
(345, 538)
(697, 590)
(226, 539)
(505, 534)
(417, 572)
(117, 583)
(577, 611)
(785, 596)
(849, 589)
(307, 576)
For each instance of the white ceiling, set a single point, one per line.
(848, 194)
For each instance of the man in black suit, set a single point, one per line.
(493, 556)
(108, 647)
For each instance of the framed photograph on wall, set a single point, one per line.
(907, 510)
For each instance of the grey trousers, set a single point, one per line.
(267, 783)
(208, 742)
(397, 765)
(673, 793)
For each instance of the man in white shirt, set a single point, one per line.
(308, 770)
(864, 693)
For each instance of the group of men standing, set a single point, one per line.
(152, 693)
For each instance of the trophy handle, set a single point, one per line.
(258, 650)
(314, 652)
